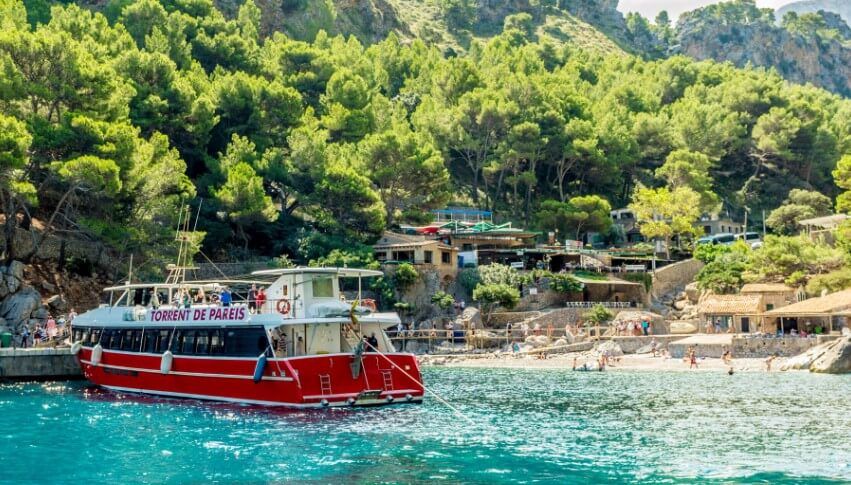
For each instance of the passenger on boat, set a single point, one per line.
(252, 298)
(225, 297)
(200, 297)
(261, 299)
(373, 343)
(187, 300)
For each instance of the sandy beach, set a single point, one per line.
(630, 362)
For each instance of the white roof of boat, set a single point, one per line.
(341, 272)
(133, 286)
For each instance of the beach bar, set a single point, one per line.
(815, 315)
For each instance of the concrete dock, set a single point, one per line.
(38, 364)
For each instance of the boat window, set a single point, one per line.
(137, 340)
(111, 339)
(187, 345)
(323, 288)
(217, 343)
(78, 335)
(127, 339)
(245, 342)
(94, 337)
(149, 344)
(162, 341)
(202, 342)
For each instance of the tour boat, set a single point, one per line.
(304, 346)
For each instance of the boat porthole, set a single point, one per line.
(324, 403)
(351, 401)
(389, 398)
(409, 397)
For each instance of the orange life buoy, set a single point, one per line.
(369, 303)
(283, 307)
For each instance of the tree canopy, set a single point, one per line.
(297, 148)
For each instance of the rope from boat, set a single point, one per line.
(426, 389)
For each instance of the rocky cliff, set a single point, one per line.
(29, 293)
(799, 57)
(841, 7)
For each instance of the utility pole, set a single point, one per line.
(763, 224)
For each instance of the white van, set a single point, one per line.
(752, 239)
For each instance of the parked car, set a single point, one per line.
(723, 238)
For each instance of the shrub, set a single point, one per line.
(405, 276)
(443, 300)
(563, 283)
(497, 295)
(598, 315)
(830, 282)
(499, 274)
(469, 278)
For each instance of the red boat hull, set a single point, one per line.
(311, 381)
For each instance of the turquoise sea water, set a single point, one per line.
(543, 426)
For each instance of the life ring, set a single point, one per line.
(283, 307)
(369, 303)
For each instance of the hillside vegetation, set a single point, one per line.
(111, 124)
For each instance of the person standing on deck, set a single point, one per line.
(261, 299)
(226, 297)
(252, 299)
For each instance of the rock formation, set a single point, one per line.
(836, 358)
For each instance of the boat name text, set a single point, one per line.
(197, 314)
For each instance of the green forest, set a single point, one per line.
(111, 122)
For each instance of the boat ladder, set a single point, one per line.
(325, 384)
(388, 379)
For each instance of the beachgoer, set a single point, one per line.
(575, 359)
(550, 329)
(730, 371)
(708, 327)
(225, 297)
(693, 360)
(768, 362)
(537, 329)
(508, 328)
(25, 337)
(515, 348)
(653, 346)
(644, 326)
(718, 326)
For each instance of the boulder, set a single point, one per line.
(656, 320)
(682, 327)
(692, 293)
(611, 348)
(17, 308)
(40, 313)
(16, 270)
(12, 283)
(48, 287)
(836, 359)
(4, 326)
(536, 341)
(805, 360)
(680, 305)
(560, 342)
(471, 316)
(57, 304)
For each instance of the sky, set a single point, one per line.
(649, 8)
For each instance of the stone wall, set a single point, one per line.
(674, 277)
(781, 347)
(38, 364)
